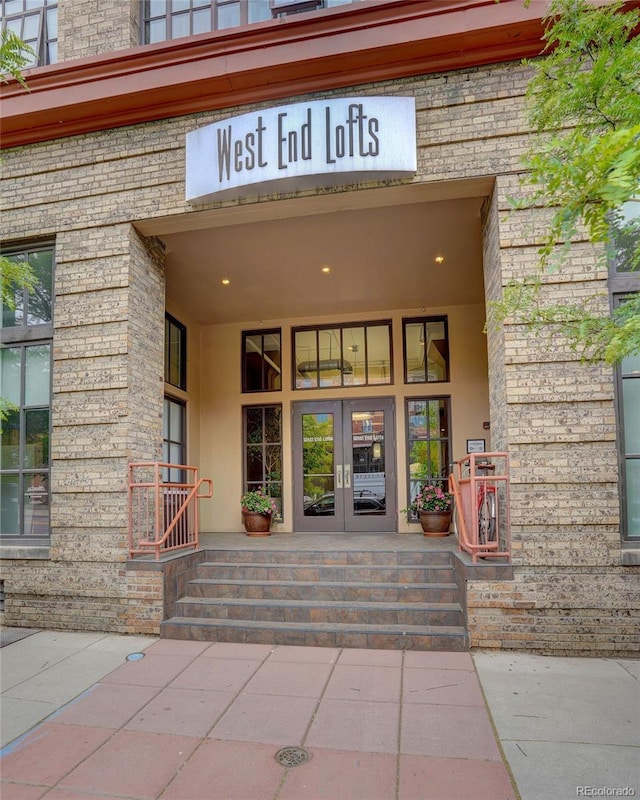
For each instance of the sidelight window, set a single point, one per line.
(428, 443)
(262, 435)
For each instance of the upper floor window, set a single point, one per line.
(172, 19)
(261, 362)
(36, 23)
(29, 314)
(175, 352)
(358, 354)
(426, 350)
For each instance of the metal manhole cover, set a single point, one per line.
(292, 756)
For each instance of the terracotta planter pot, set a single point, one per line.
(435, 523)
(256, 524)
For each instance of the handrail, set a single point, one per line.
(464, 484)
(164, 515)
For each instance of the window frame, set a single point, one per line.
(262, 333)
(213, 7)
(169, 322)
(622, 283)
(448, 439)
(341, 326)
(21, 471)
(265, 483)
(42, 44)
(174, 476)
(22, 337)
(425, 320)
(41, 330)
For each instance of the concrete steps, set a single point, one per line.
(368, 599)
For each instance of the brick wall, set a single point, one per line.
(93, 27)
(106, 411)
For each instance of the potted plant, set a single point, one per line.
(433, 506)
(258, 512)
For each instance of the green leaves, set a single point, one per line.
(15, 55)
(584, 166)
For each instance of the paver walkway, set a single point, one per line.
(199, 721)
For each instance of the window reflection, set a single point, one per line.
(347, 355)
(426, 350)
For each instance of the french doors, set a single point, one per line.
(344, 465)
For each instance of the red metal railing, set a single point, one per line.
(163, 514)
(467, 483)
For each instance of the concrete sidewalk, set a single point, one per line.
(192, 720)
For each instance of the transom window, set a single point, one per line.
(358, 354)
(261, 361)
(426, 350)
(175, 352)
(36, 23)
(172, 19)
(428, 443)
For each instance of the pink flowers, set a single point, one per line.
(431, 497)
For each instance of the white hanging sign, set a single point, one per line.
(305, 145)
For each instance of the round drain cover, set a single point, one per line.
(292, 756)
(135, 656)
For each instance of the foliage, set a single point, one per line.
(14, 274)
(584, 102)
(259, 502)
(431, 497)
(15, 55)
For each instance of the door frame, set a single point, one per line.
(344, 519)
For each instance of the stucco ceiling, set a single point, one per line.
(380, 258)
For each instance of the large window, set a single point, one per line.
(172, 19)
(36, 23)
(262, 437)
(428, 443)
(624, 283)
(342, 355)
(25, 395)
(175, 352)
(426, 350)
(261, 361)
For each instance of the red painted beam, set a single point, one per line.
(294, 55)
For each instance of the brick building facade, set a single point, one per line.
(94, 167)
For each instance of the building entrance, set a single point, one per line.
(344, 465)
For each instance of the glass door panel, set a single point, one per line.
(368, 457)
(318, 460)
(344, 466)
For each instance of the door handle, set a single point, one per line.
(339, 476)
(347, 476)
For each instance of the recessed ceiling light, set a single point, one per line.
(326, 269)
(225, 281)
(439, 259)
